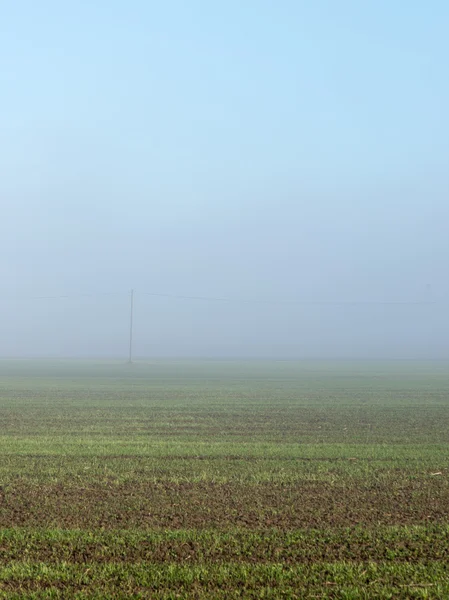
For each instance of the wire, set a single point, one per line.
(251, 301)
(288, 302)
(69, 296)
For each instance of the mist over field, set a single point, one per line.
(97, 327)
(290, 160)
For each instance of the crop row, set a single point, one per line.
(376, 544)
(225, 580)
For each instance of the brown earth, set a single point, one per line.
(168, 505)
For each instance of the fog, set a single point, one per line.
(271, 179)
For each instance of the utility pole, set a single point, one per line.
(131, 314)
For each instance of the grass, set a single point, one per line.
(222, 479)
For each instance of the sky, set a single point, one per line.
(276, 154)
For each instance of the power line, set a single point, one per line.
(288, 302)
(131, 324)
(260, 301)
(231, 300)
(70, 296)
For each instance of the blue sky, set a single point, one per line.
(225, 148)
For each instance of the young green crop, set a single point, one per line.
(220, 479)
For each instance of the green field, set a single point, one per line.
(222, 479)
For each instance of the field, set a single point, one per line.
(221, 479)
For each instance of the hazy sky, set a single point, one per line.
(246, 149)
